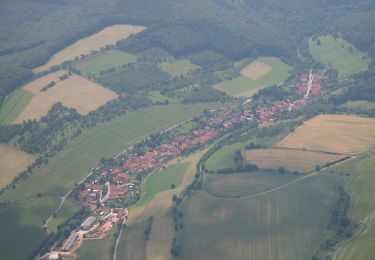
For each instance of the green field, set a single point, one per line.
(66, 211)
(97, 249)
(339, 54)
(14, 105)
(360, 106)
(224, 157)
(243, 86)
(102, 61)
(161, 180)
(22, 229)
(284, 224)
(132, 244)
(362, 191)
(179, 67)
(156, 96)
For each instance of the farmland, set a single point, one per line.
(283, 224)
(264, 72)
(291, 160)
(93, 65)
(224, 157)
(66, 211)
(12, 162)
(75, 92)
(132, 244)
(179, 67)
(97, 249)
(14, 105)
(344, 134)
(107, 36)
(339, 54)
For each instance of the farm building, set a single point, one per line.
(68, 244)
(87, 224)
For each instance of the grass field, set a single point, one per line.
(75, 92)
(156, 96)
(13, 162)
(67, 210)
(224, 157)
(273, 72)
(362, 191)
(336, 53)
(97, 249)
(333, 133)
(104, 61)
(132, 244)
(291, 160)
(109, 35)
(285, 224)
(22, 229)
(179, 67)
(13, 105)
(360, 105)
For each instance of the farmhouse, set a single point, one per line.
(87, 224)
(68, 244)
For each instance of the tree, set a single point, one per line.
(281, 170)
(173, 186)
(317, 168)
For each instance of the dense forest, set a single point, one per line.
(228, 28)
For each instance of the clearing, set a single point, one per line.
(13, 105)
(107, 36)
(13, 162)
(338, 54)
(345, 134)
(179, 67)
(256, 69)
(74, 92)
(291, 160)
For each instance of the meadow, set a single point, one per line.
(224, 157)
(339, 54)
(107, 36)
(284, 224)
(345, 134)
(13, 105)
(132, 244)
(13, 162)
(290, 160)
(66, 211)
(178, 68)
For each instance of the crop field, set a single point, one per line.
(109, 35)
(14, 105)
(254, 77)
(244, 184)
(179, 67)
(339, 54)
(92, 66)
(75, 92)
(67, 210)
(13, 162)
(284, 224)
(22, 229)
(97, 249)
(362, 209)
(344, 134)
(132, 244)
(73, 163)
(291, 160)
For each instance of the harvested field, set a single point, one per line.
(109, 35)
(12, 162)
(75, 92)
(344, 134)
(255, 70)
(291, 160)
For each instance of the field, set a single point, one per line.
(360, 105)
(339, 54)
(92, 66)
(179, 67)
(291, 160)
(14, 105)
(22, 229)
(109, 35)
(362, 209)
(284, 224)
(344, 134)
(256, 76)
(224, 157)
(132, 244)
(75, 92)
(12, 162)
(66, 211)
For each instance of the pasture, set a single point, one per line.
(179, 67)
(94, 249)
(107, 36)
(360, 105)
(74, 92)
(13, 162)
(67, 210)
(93, 65)
(13, 105)
(345, 134)
(284, 224)
(224, 157)
(264, 72)
(291, 160)
(132, 244)
(339, 54)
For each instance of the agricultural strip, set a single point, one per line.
(132, 244)
(97, 249)
(12, 162)
(13, 105)
(344, 134)
(339, 54)
(179, 67)
(291, 160)
(109, 35)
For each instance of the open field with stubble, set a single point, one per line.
(290, 160)
(344, 134)
(109, 35)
